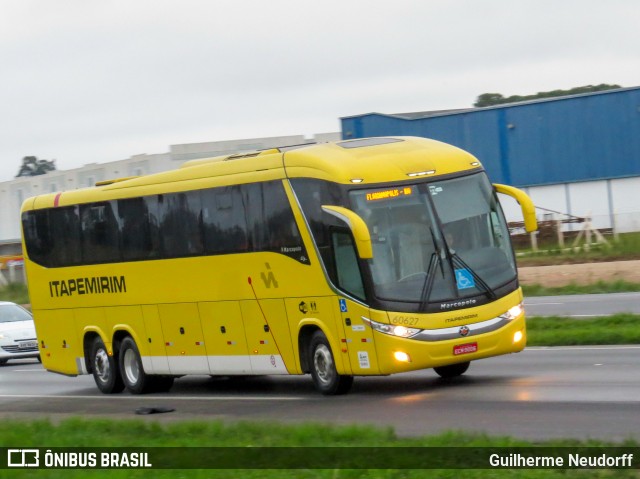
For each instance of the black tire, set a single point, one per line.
(39, 358)
(135, 379)
(105, 369)
(3, 362)
(323, 368)
(452, 371)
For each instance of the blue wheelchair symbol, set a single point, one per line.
(464, 279)
(343, 305)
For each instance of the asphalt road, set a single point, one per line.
(583, 305)
(576, 392)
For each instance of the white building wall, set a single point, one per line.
(590, 199)
(625, 199)
(611, 203)
(549, 197)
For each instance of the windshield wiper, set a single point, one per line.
(428, 281)
(436, 260)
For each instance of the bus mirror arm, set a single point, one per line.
(527, 206)
(357, 226)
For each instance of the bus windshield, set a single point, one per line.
(436, 241)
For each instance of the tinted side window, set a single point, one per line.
(224, 221)
(312, 194)
(180, 215)
(347, 270)
(65, 228)
(272, 225)
(139, 227)
(233, 219)
(100, 233)
(37, 237)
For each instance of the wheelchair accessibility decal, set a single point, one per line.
(464, 279)
(343, 305)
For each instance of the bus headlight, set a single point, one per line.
(400, 331)
(514, 312)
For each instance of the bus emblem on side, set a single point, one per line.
(464, 331)
(269, 278)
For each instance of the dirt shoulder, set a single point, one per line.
(585, 273)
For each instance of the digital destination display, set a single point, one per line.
(389, 194)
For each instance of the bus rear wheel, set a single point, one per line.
(452, 370)
(323, 368)
(105, 369)
(135, 379)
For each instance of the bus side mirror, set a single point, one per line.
(357, 226)
(527, 206)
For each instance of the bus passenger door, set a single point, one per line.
(225, 339)
(358, 337)
(184, 341)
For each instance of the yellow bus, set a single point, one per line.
(363, 257)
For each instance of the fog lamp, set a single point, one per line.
(402, 357)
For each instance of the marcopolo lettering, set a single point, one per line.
(458, 304)
(93, 285)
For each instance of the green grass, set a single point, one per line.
(560, 331)
(618, 286)
(16, 293)
(76, 433)
(627, 247)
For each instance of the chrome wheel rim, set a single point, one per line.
(101, 366)
(323, 364)
(131, 366)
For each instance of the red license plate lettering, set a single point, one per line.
(465, 349)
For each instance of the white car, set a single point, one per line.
(17, 333)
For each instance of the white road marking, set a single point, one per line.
(577, 348)
(154, 398)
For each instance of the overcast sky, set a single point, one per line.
(85, 81)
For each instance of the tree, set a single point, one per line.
(32, 166)
(490, 99)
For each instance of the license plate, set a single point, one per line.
(28, 345)
(465, 349)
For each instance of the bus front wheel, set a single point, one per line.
(323, 368)
(132, 371)
(452, 371)
(105, 369)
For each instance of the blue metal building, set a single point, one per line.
(577, 138)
